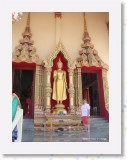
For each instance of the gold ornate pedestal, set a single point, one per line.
(54, 121)
(59, 108)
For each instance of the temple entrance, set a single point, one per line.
(23, 87)
(90, 91)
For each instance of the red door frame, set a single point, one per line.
(103, 112)
(25, 66)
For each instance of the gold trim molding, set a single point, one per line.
(59, 47)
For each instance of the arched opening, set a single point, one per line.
(65, 68)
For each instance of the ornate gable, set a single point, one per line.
(88, 55)
(25, 51)
(59, 48)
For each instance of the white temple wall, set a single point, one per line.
(43, 33)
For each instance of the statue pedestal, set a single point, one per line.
(59, 108)
(68, 122)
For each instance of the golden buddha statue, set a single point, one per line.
(59, 88)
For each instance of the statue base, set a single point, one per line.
(59, 108)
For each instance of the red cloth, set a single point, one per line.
(86, 120)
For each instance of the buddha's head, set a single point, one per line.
(59, 64)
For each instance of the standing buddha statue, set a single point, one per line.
(59, 88)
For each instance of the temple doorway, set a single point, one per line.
(90, 91)
(23, 86)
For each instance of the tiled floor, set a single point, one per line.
(99, 131)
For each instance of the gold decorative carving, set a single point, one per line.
(100, 62)
(92, 60)
(76, 87)
(88, 56)
(59, 47)
(78, 90)
(38, 104)
(25, 51)
(71, 90)
(71, 65)
(48, 65)
(106, 89)
(47, 90)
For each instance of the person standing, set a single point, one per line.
(85, 114)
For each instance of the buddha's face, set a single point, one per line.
(60, 65)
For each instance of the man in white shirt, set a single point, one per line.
(85, 114)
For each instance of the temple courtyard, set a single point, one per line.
(99, 132)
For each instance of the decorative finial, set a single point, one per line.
(28, 20)
(85, 25)
(27, 31)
